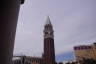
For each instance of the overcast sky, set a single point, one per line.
(74, 23)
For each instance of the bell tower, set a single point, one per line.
(49, 52)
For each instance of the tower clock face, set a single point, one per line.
(49, 33)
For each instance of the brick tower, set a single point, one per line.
(49, 52)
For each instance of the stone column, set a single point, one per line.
(8, 21)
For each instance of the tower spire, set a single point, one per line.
(48, 22)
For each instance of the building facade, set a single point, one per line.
(85, 52)
(27, 60)
(9, 11)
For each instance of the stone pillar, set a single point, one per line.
(8, 21)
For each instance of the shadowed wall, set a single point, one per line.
(8, 22)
